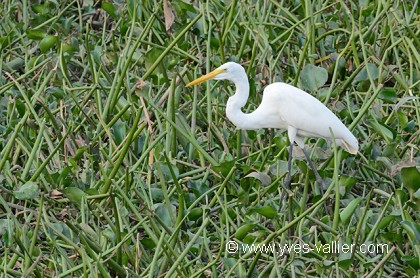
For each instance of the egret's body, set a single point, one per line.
(285, 107)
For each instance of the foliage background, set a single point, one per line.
(109, 166)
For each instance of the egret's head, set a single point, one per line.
(230, 71)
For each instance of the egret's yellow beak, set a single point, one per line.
(203, 78)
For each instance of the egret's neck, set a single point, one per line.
(237, 101)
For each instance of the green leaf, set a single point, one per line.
(7, 231)
(368, 10)
(346, 184)
(195, 214)
(166, 170)
(242, 231)
(386, 221)
(413, 231)
(120, 131)
(363, 74)
(27, 191)
(79, 153)
(388, 95)
(157, 194)
(42, 9)
(148, 243)
(402, 119)
(401, 195)
(382, 130)
(4, 41)
(47, 43)
(110, 9)
(412, 261)
(228, 262)
(411, 179)
(74, 194)
(150, 58)
(164, 212)
(243, 195)
(328, 263)
(224, 167)
(267, 211)
(345, 263)
(35, 34)
(313, 77)
(348, 211)
(262, 177)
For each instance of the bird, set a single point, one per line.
(285, 107)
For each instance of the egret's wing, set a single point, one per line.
(305, 113)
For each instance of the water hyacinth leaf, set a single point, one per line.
(413, 230)
(242, 231)
(151, 57)
(7, 227)
(313, 77)
(411, 179)
(262, 177)
(402, 195)
(402, 119)
(110, 9)
(363, 74)
(166, 214)
(346, 184)
(382, 130)
(229, 262)
(120, 131)
(243, 194)
(148, 243)
(386, 221)
(74, 194)
(195, 214)
(345, 263)
(157, 194)
(35, 34)
(224, 167)
(166, 169)
(75, 159)
(267, 211)
(47, 43)
(4, 41)
(27, 191)
(348, 211)
(412, 261)
(388, 95)
(42, 9)
(328, 263)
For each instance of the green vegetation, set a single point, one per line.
(109, 166)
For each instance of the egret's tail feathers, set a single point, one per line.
(351, 147)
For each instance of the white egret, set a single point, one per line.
(283, 106)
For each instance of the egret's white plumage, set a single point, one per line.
(283, 106)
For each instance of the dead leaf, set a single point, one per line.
(169, 15)
(395, 169)
(55, 194)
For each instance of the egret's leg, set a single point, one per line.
(318, 177)
(288, 175)
(289, 168)
(291, 133)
